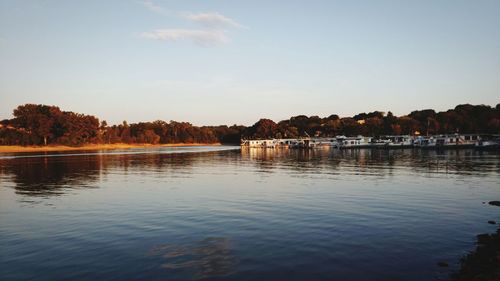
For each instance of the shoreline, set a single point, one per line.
(482, 263)
(53, 148)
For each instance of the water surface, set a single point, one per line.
(219, 213)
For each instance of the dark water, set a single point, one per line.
(194, 213)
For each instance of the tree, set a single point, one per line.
(408, 125)
(44, 125)
(350, 127)
(37, 120)
(264, 128)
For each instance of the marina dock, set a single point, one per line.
(397, 141)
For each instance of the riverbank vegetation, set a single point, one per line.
(48, 125)
(43, 125)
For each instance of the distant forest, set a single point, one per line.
(48, 125)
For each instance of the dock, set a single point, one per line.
(444, 141)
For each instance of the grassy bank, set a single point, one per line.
(16, 148)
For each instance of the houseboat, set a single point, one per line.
(488, 142)
(379, 143)
(354, 142)
(320, 142)
(421, 141)
(448, 141)
(269, 143)
(284, 143)
(398, 141)
(470, 139)
(395, 141)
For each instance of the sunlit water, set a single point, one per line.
(222, 213)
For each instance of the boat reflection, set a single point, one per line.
(51, 176)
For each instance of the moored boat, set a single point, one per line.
(354, 142)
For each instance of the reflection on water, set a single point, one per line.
(250, 214)
(210, 257)
(380, 160)
(45, 176)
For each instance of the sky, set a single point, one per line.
(213, 62)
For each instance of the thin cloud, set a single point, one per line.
(154, 8)
(213, 20)
(213, 31)
(197, 36)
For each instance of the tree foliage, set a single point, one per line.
(464, 118)
(44, 125)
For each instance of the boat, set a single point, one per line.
(322, 142)
(449, 141)
(354, 142)
(399, 141)
(379, 143)
(267, 143)
(488, 142)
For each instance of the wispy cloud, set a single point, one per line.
(212, 20)
(154, 8)
(213, 31)
(200, 37)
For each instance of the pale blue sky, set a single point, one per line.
(226, 61)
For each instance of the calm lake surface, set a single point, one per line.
(221, 213)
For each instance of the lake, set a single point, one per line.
(221, 213)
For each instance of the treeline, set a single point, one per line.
(464, 118)
(43, 125)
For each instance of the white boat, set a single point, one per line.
(488, 142)
(285, 143)
(449, 141)
(354, 142)
(322, 142)
(379, 143)
(268, 143)
(399, 141)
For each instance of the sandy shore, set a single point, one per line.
(16, 148)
